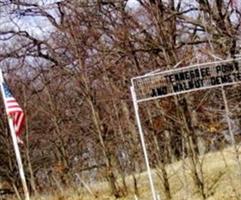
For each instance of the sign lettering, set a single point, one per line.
(187, 79)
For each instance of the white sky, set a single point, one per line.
(38, 25)
(132, 3)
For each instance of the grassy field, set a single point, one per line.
(221, 173)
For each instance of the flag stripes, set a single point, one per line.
(13, 109)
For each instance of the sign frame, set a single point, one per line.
(136, 101)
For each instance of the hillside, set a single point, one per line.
(221, 174)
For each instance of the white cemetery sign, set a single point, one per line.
(182, 80)
(187, 79)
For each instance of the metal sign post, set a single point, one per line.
(227, 113)
(143, 144)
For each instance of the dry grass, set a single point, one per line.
(220, 170)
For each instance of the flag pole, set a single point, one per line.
(16, 148)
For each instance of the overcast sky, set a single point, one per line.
(35, 25)
(38, 25)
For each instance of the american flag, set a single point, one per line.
(13, 110)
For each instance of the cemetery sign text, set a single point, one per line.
(187, 79)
